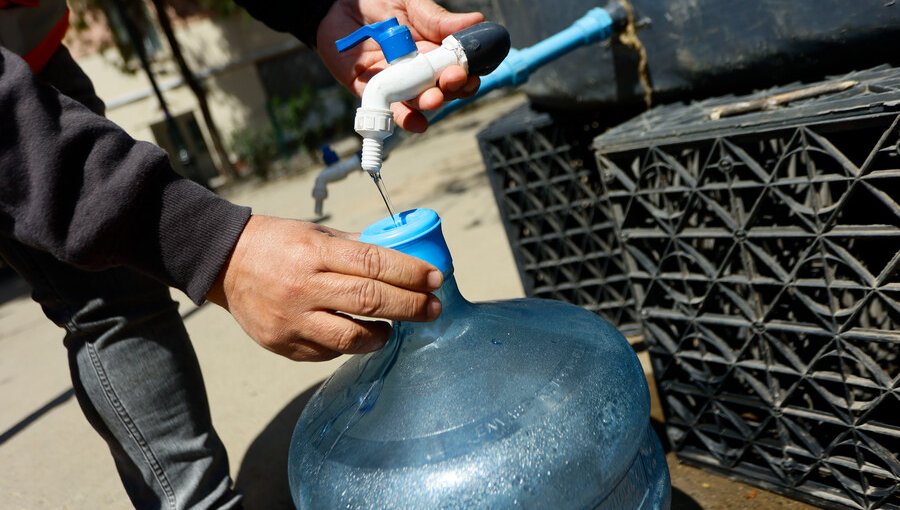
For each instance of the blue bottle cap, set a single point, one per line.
(417, 233)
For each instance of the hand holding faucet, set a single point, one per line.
(429, 24)
(412, 75)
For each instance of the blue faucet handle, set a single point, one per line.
(395, 39)
(329, 157)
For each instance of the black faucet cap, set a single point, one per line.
(486, 45)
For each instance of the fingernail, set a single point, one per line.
(434, 308)
(435, 279)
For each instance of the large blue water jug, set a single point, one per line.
(524, 403)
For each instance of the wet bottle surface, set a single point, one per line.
(522, 403)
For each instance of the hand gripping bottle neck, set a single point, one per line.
(525, 403)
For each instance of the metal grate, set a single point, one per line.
(763, 252)
(546, 183)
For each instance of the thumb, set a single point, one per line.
(435, 23)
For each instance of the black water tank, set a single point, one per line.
(699, 48)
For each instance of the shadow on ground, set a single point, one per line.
(681, 501)
(263, 473)
(12, 286)
(262, 476)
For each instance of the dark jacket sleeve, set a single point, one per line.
(76, 185)
(296, 17)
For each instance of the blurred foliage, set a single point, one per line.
(187, 8)
(87, 15)
(293, 117)
(84, 10)
(255, 148)
(311, 117)
(90, 13)
(300, 123)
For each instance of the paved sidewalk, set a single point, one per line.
(51, 459)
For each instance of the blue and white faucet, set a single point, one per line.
(598, 24)
(478, 49)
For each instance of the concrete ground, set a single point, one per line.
(50, 458)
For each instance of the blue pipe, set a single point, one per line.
(595, 26)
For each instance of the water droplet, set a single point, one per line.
(496, 342)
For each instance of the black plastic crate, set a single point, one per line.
(547, 187)
(763, 252)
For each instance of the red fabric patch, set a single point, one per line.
(39, 55)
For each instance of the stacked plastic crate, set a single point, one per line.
(547, 187)
(756, 242)
(762, 242)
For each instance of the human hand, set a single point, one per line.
(429, 24)
(288, 282)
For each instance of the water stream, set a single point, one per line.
(379, 183)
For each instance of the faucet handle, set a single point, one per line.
(395, 39)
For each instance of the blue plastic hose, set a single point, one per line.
(595, 26)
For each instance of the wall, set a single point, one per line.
(222, 51)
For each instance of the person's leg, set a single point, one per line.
(133, 368)
(136, 378)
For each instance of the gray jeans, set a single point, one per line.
(133, 368)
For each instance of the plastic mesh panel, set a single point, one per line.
(764, 257)
(547, 186)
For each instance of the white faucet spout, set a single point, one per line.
(405, 79)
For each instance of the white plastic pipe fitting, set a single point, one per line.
(404, 79)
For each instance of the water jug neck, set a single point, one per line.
(454, 307)
(417, 233)
(452, 301)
